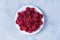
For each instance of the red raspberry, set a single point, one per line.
(28, 9)
(19, 13)
(32, 9)
(17, 22)
(36, 14)
(28, 24)
(20, 22)
(34, 18)
(23, 13)
(37, 27)
(41, 16)
(22, 28)
(40, 22)
(29, 19)
(36, 23)
(30, 30)
(19, 18)
(25, 20)
(28, 13)
(33, 27)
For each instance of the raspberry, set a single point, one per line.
(25, 20)
(33, 27)
(41, 16)
(19, 18)
(36, 14)
(28, 24)
(17, 22)
(28, 9)
(22, 28)
(40, 22)
(19, 13)
(20, 22)
(34, 19)
(23, 13)
(36, 23)
(30, 30)
(28, 13)
(32, 9)
(29, 19)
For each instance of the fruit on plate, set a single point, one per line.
(29, 20)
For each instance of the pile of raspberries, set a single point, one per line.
(29, 20)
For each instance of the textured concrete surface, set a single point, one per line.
(51, 10)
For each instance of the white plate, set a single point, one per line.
(23, 8)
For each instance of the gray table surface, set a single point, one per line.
(51, 10)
